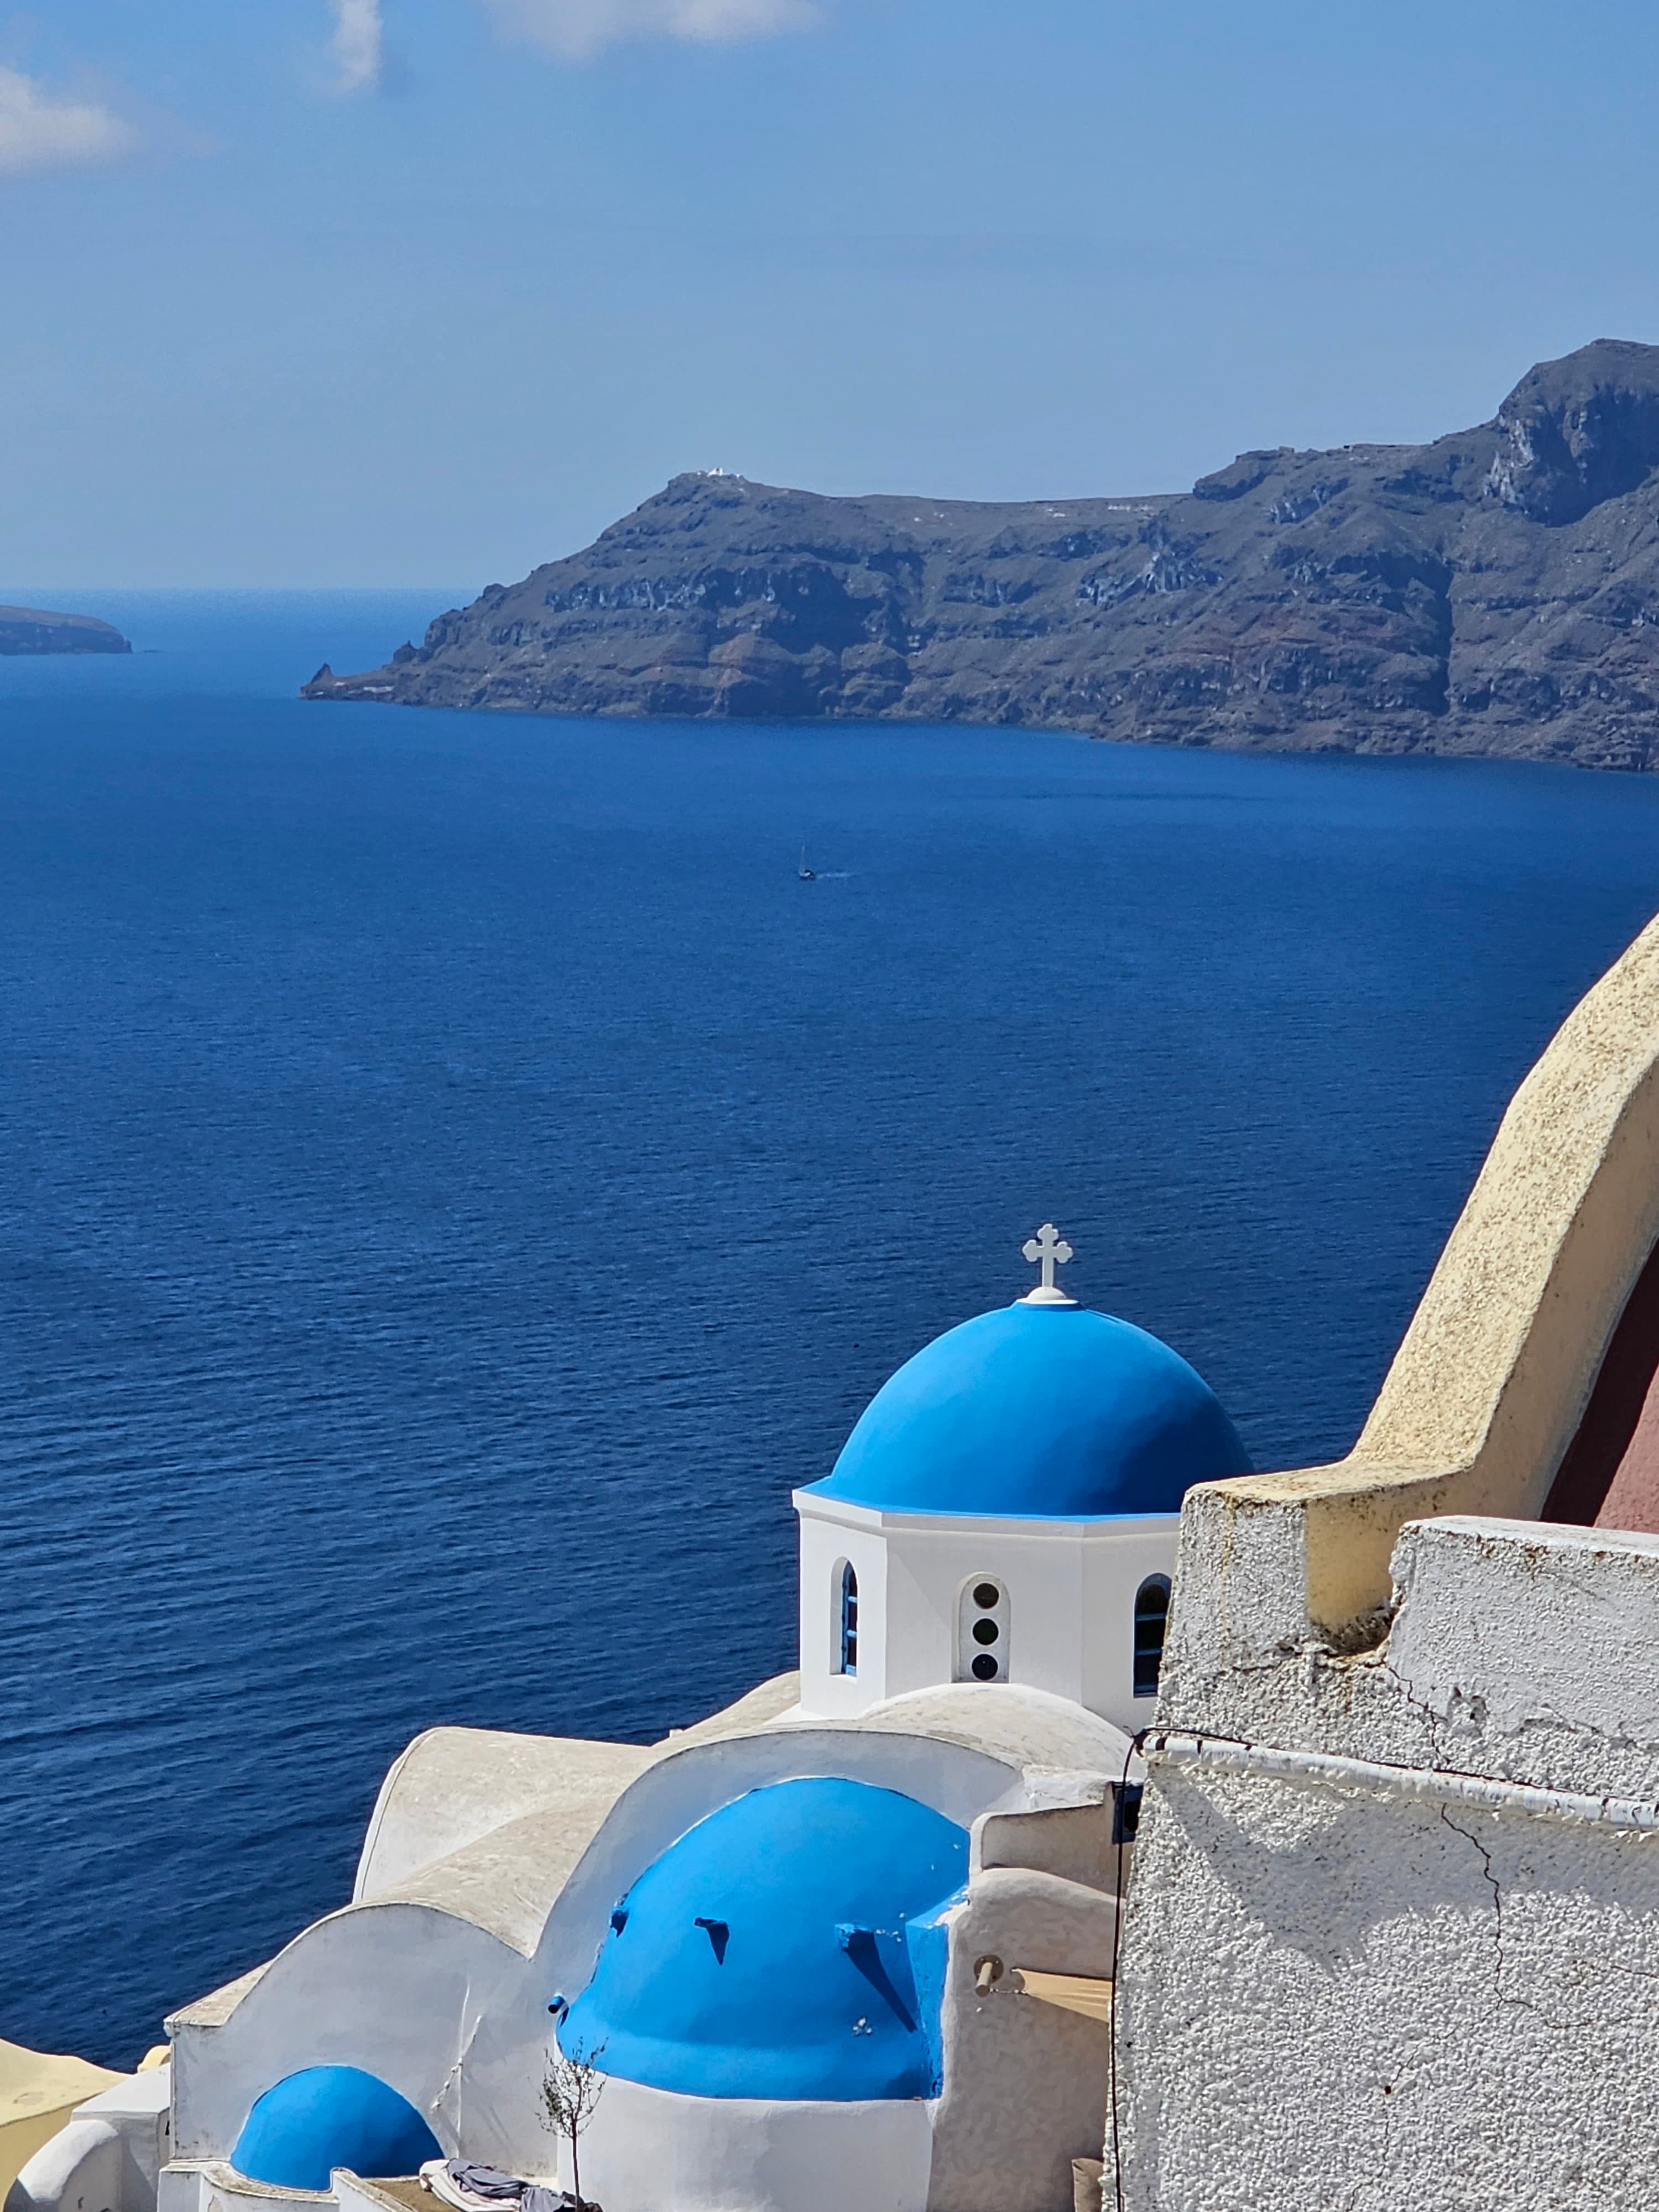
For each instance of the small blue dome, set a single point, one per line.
(1037, 1412)
(328, 2116)
(782, 1948)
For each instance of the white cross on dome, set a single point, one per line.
(1047, 1250)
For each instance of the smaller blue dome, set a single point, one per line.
(787, 1946)
(1037, 1412)
(327, 2116)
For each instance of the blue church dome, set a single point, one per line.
(328, 2116)
(785, 1947)
(1040, 1412)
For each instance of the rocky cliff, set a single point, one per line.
(31, 630)
(1496, 592)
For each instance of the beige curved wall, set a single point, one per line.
(1489, 1384)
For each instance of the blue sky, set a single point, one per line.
(425, 291)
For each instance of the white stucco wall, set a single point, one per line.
(108, 2157)
(1024, 2081)
(405, 1992)
(649, 2150)
(1070, 1591)
(1393, 1934)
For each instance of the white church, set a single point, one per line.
(845, 1948)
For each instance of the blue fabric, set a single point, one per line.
(1046, 1412)
(328, 2116)
(765, 1954)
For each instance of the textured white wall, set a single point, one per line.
(1388, 2005)
(452, 1785)
(1024, 2081)
(1382, 1995)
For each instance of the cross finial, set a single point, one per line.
(1047, 1250)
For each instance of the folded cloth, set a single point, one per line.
(470, 2188)
(435, 2176)
(483, 2180)
(536, 2198)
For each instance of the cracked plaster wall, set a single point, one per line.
(1338, 2001)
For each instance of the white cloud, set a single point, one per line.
(39, 132)
(576, 28)
(358, 45)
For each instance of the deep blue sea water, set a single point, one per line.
(456, 1180)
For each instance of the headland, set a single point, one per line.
(32, 630)
(1494, 592)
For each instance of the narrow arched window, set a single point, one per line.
(1152, 1618)
(846, 1618)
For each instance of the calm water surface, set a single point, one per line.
(456, 1180)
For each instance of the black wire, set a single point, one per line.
(1135, 1742)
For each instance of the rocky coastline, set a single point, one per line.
(34, 630)
(1495, 592)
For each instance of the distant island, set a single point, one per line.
(32, 630)
(1494, 592)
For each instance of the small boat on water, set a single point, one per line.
(806, 875)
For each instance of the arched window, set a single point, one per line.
(846, 1624)
(1152, 1618)
(982, 1631)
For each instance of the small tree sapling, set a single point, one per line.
(571, 2090)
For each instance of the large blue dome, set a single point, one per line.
(787, 1947)
(327, 2116)
(1042, 1411)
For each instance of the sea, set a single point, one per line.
(458, 1177)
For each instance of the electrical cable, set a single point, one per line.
(1135, 1742)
